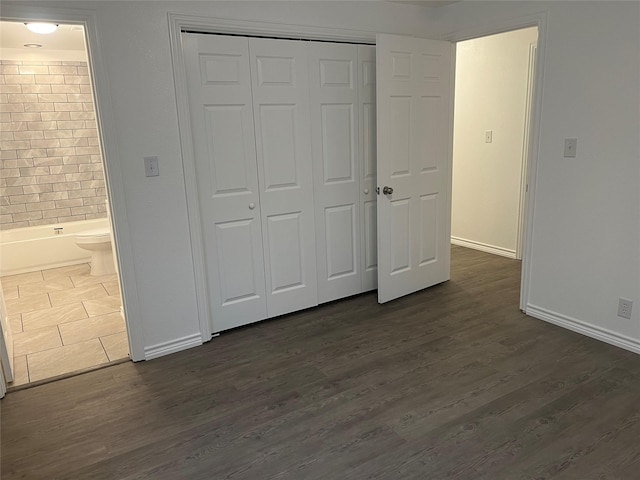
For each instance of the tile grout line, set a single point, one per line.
(104, 349)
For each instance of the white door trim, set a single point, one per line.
(177, 24)
(537, 20)
(115, 186)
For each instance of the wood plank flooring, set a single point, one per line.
(452, 382)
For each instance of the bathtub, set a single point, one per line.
(30, 249)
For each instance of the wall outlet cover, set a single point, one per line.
(624, 308)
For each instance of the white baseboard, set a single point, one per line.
(172, 346)
(504, 252)
(579, 326)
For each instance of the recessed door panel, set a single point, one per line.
(286, 252)
(221, 69)
(369, 140)
(400, 235)
(340, 231)
(428, 228)
(279, 138)
(336, 73)
(371, 236)
(235, 249)
(276, 71)
(428, 114)
(338, 154)
(400, 113)
(227, 157)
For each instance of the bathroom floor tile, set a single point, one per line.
(20, 370)
(102, 306)
(116, 346)
(74, 295)
(53, 316)
(28, 304)
(67, 359)
(46, 286)
(82, 280)
(36, 341)
(10, 293)
(21, 279)
(15, 323)
(92, 327)
(80, 269)
(112, 287)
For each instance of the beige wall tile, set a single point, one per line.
(116, 346)
(36, 341)
(28, 304)
(102, 306)
(92, 327)
(78, 294)
(67, 359)
(53, 316)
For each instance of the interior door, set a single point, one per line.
(281, 111)
(333, 85)
(367, 156)
(414, 105)
(219, 85)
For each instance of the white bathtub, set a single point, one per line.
(36, 248)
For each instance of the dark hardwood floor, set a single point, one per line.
(451, 382)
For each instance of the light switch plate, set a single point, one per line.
(570, 147)
(488, 136)
(151, 168)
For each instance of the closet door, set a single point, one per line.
(367, 155)
(219, 85)
(334, 125)
(281, 113)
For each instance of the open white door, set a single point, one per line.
(414, 130)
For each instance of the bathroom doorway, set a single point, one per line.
(60, 286)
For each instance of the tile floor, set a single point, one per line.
(63, 320)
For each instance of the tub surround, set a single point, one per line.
(51, 165)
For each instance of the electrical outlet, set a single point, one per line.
(488, 136)
(624, 308)
(151, 167)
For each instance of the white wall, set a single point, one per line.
(135, 47)
(490, 94)
(585, 250)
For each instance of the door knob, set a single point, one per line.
(387, 190)
(366, 191)
(252, 206)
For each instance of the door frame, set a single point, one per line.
(88, 19)
(502, 26)
(177, 24)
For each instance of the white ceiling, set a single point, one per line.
(66, 37)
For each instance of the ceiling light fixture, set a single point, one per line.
(32, 45)
(40, 27)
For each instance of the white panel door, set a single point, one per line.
(367, 172)
(281, 112)
(414, 107)
(333, 84)
(219, 85)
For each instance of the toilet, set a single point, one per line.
(98, 242)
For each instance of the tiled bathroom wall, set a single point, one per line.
(51, 166)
